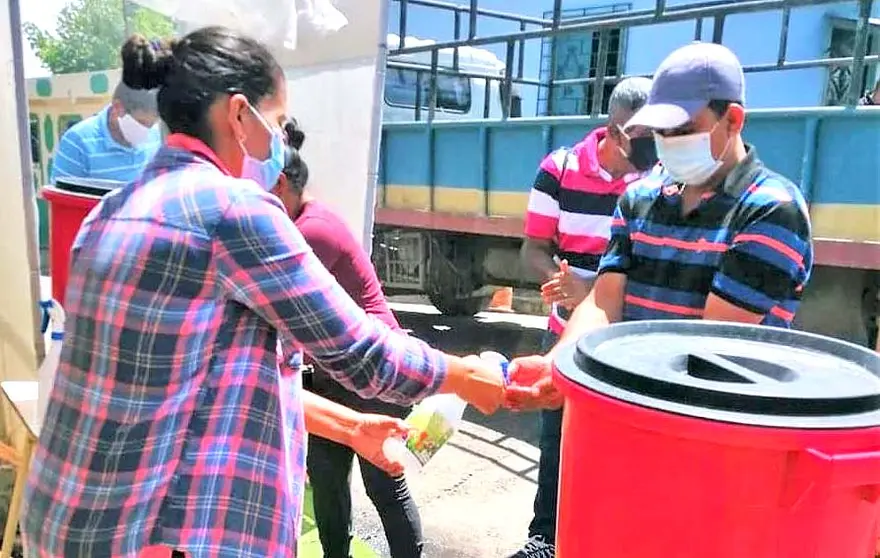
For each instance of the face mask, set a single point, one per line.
(688, 159)
(642, 153)
(265, 173)
(133, 131)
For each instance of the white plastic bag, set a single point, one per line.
(275, 22)
(321, 15)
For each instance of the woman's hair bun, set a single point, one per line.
(295, 168)
(295, 136)
(146, 63)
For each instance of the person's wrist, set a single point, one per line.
(351, 433)
(550, 356)
(459, 373)
(349, 422)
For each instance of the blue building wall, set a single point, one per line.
(754, 37)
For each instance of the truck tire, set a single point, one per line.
(450, 285)
(449, 305)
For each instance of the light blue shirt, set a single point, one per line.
(87, 150)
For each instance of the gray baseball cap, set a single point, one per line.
(686, 81)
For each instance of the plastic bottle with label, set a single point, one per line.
(53, 323)
(433, 423)
(498, 359)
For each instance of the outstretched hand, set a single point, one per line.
(564, 287)
(482, 386)
(531, 385)
(370, 433)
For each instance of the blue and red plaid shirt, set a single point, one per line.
(169, 421)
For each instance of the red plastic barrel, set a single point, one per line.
(70, 201)
(685, 439)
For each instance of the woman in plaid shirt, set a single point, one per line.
(169, 422)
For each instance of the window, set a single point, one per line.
(66, 121)
(576, 55)
(453, 92)
(36, 152)
(842, 44)
(612, 68)
(34, 127)
(515, 102)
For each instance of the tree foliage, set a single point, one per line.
(89, 34)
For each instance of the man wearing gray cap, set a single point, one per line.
(716, 236)
(567, 226)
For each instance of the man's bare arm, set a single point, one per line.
(537, 257)
(603, 306)
(720, 310)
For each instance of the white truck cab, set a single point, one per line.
(461, 93)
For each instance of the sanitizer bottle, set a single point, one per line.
(433, 422)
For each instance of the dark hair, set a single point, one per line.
(192, 72)
(719, 107)
(133, 52)
(295, 169)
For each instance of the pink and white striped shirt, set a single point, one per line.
(571, 203)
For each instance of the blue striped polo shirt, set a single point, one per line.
(87, 150)
(748, 242)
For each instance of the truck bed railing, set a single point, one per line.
(542, 28)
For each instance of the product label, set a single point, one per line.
(430, 432)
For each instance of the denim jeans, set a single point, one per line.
(329, 466)
(544, 521)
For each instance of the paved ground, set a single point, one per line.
(475, 497)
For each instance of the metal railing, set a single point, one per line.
(539, 28)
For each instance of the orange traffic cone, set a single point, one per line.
(502, 300)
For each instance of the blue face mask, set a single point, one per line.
(265, 173)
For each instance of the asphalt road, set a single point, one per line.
(475, 496)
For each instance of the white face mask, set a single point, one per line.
(133, 131)
(688, 159)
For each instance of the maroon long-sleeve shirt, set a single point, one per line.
(342, 255)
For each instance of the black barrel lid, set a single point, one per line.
(730, 372)
(87, 186)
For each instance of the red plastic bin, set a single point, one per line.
(687, 439)
(70, 201)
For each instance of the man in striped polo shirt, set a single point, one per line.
(717, 236)
(569, 220)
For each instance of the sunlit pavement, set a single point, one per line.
(475, 497)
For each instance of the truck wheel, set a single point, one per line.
(449, 305)
(450, 285)
(452, 278)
